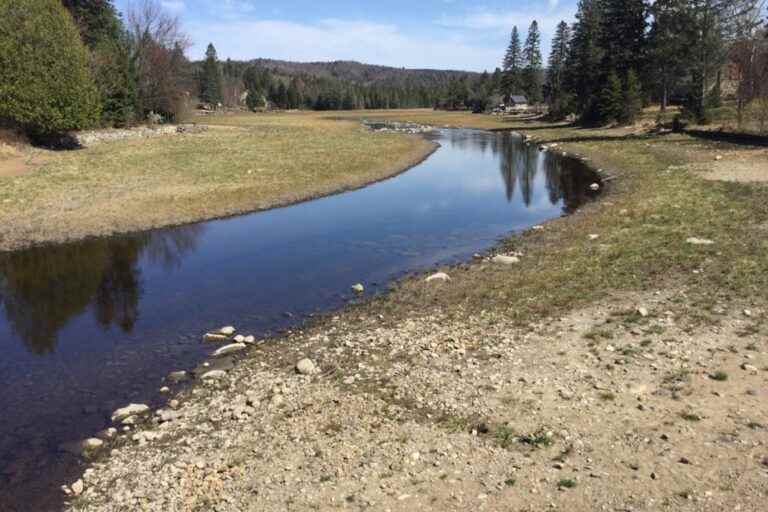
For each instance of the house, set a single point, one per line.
(517, 103)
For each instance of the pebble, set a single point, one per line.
(505, 260)
(358, 288)
(643, 312)
(227, 331)
(440, 276)
(213, 375)
(129, 410)
(78, 488)
(215, 338)
(594, 187)
(306, 367)
(177, 377)
(699, 241)
(229, 349)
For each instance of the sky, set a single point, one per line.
(437, 34)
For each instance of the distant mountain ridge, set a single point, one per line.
(358, 72)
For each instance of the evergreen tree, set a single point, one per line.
(583, 67)
(556, 95)
(532, 73)
(97, 20)
(513, 67)
(211, 78)
(45, 85)
(611, 100)
(294, 96)
(668, 44)
(623, 36)
(633, 102)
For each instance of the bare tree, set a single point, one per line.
(163, 72)
(747, 54)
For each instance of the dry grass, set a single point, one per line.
(245, 163)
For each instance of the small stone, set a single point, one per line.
(749, 368)
(358, 288)
(165, 390)
(229, 349)
(643, 312)
(177, 377)
(173, 404)
(239, 338)
(537, 228)
(215, 338)
(699, 241)
(227, 331)
(594, 237)
(213, 375)
(107, 434)
(718, 158)
(502, 259)
(249, 340)
(349, 380)
(306, 367)
(748, 313)
(78, 488)
(440, 276)
(129, 410)
(594, 187)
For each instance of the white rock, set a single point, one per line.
(129, 410)
(537, 228)
(165, 390)
(214, 375)
(227, 331)
(306, 367)
(215, 337)
(358, 288)
(699, 241)
(719, 157)
(92, 444)
(239, 338)
(594, 237)
(249, 340)
(594, 187)
(176, 377)
(229, 349)
(506, 260)
(78, 488)
(440, 276)
(643, 312)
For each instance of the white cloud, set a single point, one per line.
(335, 39)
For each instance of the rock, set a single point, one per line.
(643, 312)
(358, 288)
(215, 338)
(227, 331)
(440, 276)
(92, 444)
(506, 260)
(129, 410)
(306, 367)
(749, 368)
(229, 349)
(239, 338)
(107, 434)
(748, 313)
(718, 158)
(174, 404)
(78, 488)
(699, 241)
(177, 377)
(165, 390)
(594, 237)
(213, 375)
(249, 340)
(594, 187)
(537, 228)
(84, 448)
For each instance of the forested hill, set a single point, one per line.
(362, 73)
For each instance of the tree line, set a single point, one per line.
(620, 55)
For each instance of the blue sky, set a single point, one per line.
(445, 34)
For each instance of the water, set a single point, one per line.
(90, 326)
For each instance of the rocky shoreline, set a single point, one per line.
(628, 403)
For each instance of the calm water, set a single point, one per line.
(86, 327)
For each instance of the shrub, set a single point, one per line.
(45, 85)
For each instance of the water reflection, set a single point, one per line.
(42, 288)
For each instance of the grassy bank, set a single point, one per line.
(616, 367)
(243, 163)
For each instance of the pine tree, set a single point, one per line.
(611, 100)
(623, 36)
(532, 73)
(97, 20)
(555, 92)
(294, 96)
(211, 78)
(668, 45)
(585, 58)
(632, 101)
(513, 66)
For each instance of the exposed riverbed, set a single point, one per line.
(88, 327)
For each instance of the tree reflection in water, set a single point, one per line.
(43, 288)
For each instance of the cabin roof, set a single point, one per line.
(518, 99)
